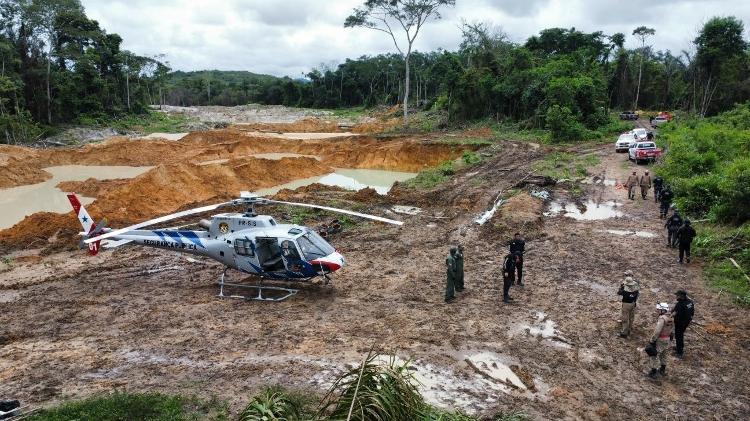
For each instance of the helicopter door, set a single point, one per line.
(269, 253)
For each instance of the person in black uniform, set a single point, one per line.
(665, 198)
(672, 225)
(518, 247)
(509, 275)
(683, 315)
(685, 236)
(658, 185)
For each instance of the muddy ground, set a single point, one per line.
(143, 319)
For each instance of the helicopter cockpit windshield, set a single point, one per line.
(313, 246)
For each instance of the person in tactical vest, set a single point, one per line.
(666, 201)
(460, 268)
(450, 267)
(685, 236)
(683, 314)
(658, 185)
(509, 275)
(660, 340)
(518, 247)
(629, 291)
(672, 225)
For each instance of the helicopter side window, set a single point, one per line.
(244, 247)
(289, 250)
(314, 246)
(269, 254)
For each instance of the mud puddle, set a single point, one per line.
(351, 179)
(543, 327)
(591, 211)
(625, 233)
(22, 201)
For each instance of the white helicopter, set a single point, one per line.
(248, 242)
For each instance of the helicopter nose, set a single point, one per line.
(332, 262)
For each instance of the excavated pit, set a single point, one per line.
(202, 166)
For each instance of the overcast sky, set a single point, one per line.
(288, 37)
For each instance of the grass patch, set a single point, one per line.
(350, 113)
(460, 140)
(121, 406)
(717, 243)
(275, 403)
(564, 165)
(149, 122)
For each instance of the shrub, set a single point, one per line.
(275, 404)
(563, 125)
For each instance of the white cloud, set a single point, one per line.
(292, 36)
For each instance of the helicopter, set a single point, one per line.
(247, 242)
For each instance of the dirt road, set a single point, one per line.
(148, 320)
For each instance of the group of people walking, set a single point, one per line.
(670, 323)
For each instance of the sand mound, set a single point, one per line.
(308, 125)
(19, 172)
(520, 210)
(92, 187)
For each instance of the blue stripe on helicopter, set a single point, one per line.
(174, 235)
(193, 237)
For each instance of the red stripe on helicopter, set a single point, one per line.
(74, 202)
(330, 265)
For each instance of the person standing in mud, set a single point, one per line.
(665, 197)
(460, 268)
(645, 185)
(450, 284)
(658, 184)
(518, 247)
(509, 275)
(672, 225)
(684, 237)
(660, 340)
(683, 314)
(631, 184)
(629, 292)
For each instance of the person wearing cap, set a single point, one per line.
(683, 314)
(450, 267)
(660, 340)
(666, 201)
(672, 225)
(658, 184)
(684, 236)
(629, 291)
(518, 247)
(645, 183)
(630, 184)
(509, 275)
(460, 268)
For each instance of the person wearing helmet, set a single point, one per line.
(685, 236)
(645, 183)
(450, 284)
(629, 291)
(658, 184)
(666, 201)
(672, 225)
(630, 184)
(683, 314)
(509, 274)
(460, 268)
(660, 340)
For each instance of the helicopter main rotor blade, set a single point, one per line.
(347, 212)
(158, 220)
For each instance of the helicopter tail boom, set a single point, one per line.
(89, 226)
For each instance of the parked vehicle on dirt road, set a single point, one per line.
(628, 115)
(624, 142)
(644, 152)
(658, 121)
(640, 132)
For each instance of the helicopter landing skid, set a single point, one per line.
(286, 292)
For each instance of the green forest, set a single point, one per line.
(60, 67)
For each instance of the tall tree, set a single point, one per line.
(719, 43)
(42, 15)
(641, 33)
(410, 15)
